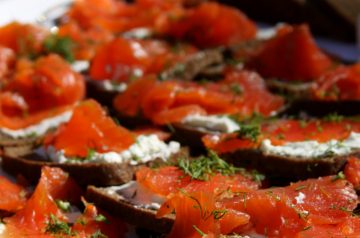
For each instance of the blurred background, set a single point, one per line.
(335, 23)
(336, 19)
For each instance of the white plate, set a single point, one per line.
(25, 10)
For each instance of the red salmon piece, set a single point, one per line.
(348, 228)
(90, 128)
(227, 143)
(177, 114)
(167, 180)
(94, 222)
(213, 101)
(129, 102)
(122, 59)
(311, 208)
(282, 131)
(34, 217)
(12, 116)
(150, 130)
(47, 83)
(12, 105)
(342, 83)
(7, 62)
(291, 55)
(208, 25)
(255, 96)
(162, 181)
(12, 196)
(87, 42)
(119, 60)
(352, 171)
(242, 93)
(284, 212)
(294, 130)
(197, 214)
(95, 13)
(159, 98)
(24, 39)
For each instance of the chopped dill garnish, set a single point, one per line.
(339, 176)
(57, 227)
(205, 166)
(218, 214)
(90, 154)
(333, 117)
(249, 131)
(63, 205)
(100, 218)
(60, 45)
(98, 234)
(199, 231)
(300, 188)
(236, 89)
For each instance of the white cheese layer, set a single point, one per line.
(39, 129)
(138, 33)
(109, 86)
(313, 149)
(80, 65)
(222, 124)
(268, 32)
(2, 228)
(145, 149)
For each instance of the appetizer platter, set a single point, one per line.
(174, 118)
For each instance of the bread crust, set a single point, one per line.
(85, 173)
(282, 167)
(134, 215)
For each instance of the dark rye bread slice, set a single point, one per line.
(319, 108)
(84, 173)
(186, 70)
(100, 174)
(291, 168)
(5, 214)
(18, 146)
(274, 166)
(194, 64)
(93, 90)
(187, 135)
(297, 90)
(300, 100)
(121, 207)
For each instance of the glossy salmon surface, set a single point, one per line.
(90, 129)
(240, 92)
(311, 208)
(282, 131)
(291, 55)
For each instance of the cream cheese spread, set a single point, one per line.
(145, 149)
(313, 149)
(222, 124)
(39, 129)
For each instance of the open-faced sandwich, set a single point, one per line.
(35, 97)
(291, 148)
(143, 197)
(206, 73)
(208, 197)
(50, 211)
(122, 61)
(202, 105)
(121, 41)
(293, 64)
(93, 149)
